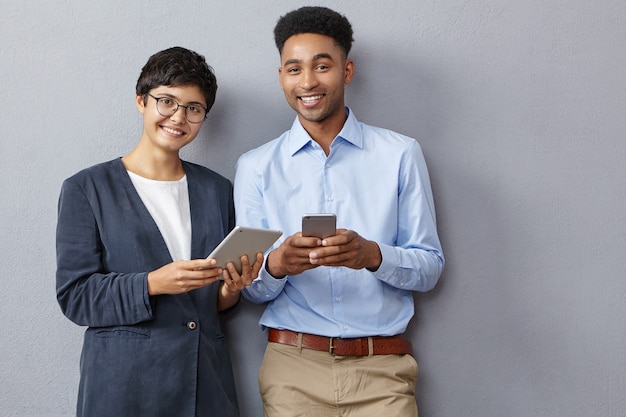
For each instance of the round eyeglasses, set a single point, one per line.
(167, 107)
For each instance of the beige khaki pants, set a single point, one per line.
(296, 382)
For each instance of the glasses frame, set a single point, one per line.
(178, 105)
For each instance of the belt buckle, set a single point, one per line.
(330, 345)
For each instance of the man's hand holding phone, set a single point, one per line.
(339, 247)
(292, 256)
(347, 248)
(320, 243)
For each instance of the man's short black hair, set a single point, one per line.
(176, 67)
(319, 20)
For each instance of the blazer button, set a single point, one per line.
(191, 325)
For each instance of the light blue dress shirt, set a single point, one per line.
(377, 183)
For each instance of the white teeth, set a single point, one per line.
(310, 99)
(172, 131)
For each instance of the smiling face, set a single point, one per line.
(313, 74)
(169, 134)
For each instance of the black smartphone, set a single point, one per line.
(320, 225)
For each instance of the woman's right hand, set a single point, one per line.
(182, 276)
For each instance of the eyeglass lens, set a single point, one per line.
(167, 107)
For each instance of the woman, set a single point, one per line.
(132, 237)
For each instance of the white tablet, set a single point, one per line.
(243, 241)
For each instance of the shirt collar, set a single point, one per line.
(350, 132)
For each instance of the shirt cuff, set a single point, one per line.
(271, 283)
(388, 271)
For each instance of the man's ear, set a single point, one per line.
(280, 78)
(349, 71)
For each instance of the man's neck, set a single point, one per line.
(325, 131)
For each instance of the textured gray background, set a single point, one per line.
(519, 107)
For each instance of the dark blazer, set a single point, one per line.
(142, 356)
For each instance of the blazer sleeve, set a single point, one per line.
(89, 295)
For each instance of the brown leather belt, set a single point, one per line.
(381, 345)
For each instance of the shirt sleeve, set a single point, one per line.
(250, 212)
(416, 261)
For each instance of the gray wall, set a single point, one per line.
(519, 106)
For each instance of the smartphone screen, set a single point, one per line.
(320, 225)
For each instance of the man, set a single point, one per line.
(338, 304)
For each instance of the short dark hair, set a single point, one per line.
(175, 67)
(319, 20)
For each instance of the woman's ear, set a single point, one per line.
(140, 102)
